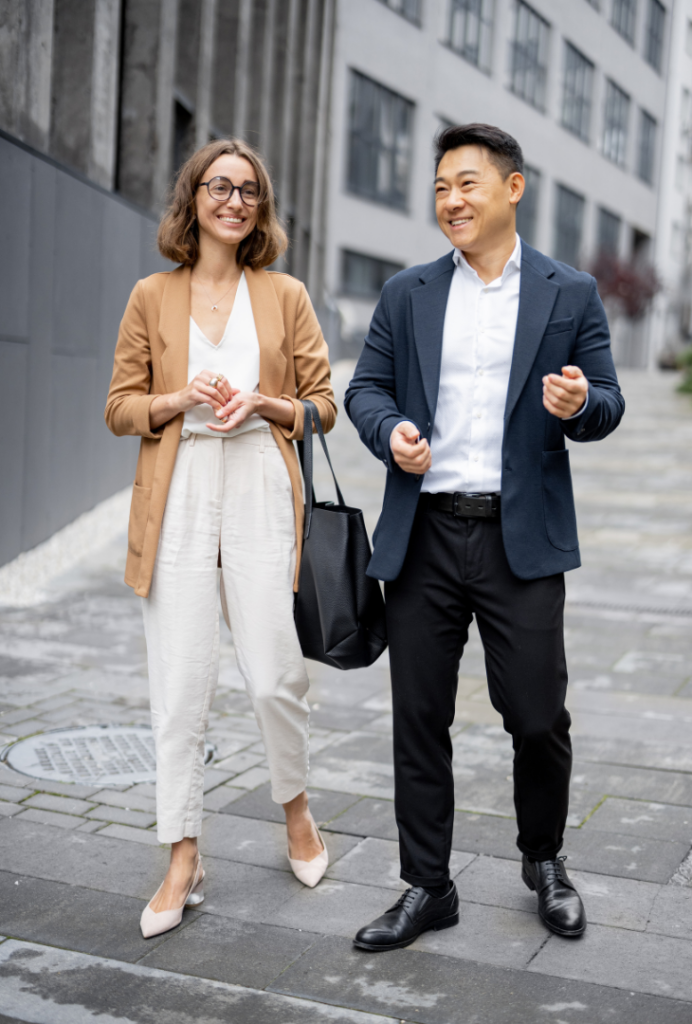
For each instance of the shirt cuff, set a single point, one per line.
(582, 410)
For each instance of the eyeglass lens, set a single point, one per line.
(222, 189)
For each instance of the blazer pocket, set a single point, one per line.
(559, 326)
(558, 500)
(139, 514)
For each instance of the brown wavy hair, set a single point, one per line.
(178, 237)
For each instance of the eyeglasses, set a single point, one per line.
(221, 189)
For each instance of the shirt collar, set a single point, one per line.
(512, 264)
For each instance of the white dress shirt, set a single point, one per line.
(477, 346)
(237, 357)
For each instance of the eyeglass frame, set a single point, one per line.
(222, 177)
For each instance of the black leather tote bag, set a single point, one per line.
(339, 611)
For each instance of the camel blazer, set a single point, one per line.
(151, 358)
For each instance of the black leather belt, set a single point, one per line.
(469, 506)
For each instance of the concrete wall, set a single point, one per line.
(71, 254)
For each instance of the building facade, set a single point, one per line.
(100, 103)
(585, 87)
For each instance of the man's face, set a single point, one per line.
(475, 207)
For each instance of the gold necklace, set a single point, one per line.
(215, 305)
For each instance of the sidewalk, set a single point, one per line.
(77, 863)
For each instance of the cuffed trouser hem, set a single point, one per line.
(550, 854)
(427, 882)
(174, 835)
(284, 796)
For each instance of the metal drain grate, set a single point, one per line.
(107, 755)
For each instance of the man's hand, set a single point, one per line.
(564, 396)
(410, 451)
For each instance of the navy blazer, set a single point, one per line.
(561, 321)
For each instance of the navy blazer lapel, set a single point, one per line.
(537, 295)
(428, 307)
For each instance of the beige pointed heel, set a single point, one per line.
(309, 872)
(153, 923)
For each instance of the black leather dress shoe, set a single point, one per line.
(559, 904)
(413, 913)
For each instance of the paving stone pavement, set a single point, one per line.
(78, 862)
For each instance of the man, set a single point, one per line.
(474, 370)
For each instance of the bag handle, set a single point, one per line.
(306, 459)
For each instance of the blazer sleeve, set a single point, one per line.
(312, 370)
(128, 402)
(370, 400)
(594, 358)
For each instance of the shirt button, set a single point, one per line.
(480, 373)
(478, 415)
(475, 458)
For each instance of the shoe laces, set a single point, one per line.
(406, 899)
(554, 870)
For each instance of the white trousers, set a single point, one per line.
(234, 493)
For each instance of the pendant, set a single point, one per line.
(214, 308)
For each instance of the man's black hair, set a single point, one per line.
(504, 151)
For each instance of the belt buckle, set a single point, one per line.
(472, 506)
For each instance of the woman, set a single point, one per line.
(211, 363)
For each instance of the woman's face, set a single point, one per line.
(232, 220)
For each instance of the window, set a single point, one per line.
(409, 9)
(609, 226)
(688, 37)
(364, 276)
(653, 47)
(183, 134)
(647, 147)
(576, 101)
(529, 55)
(527, 210)
(569, 218)
(624, 18)
(380, 142)
(616, 124)
(470, 30)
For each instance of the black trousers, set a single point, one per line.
(454, 569)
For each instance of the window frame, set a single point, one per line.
(534, 178)
(583, 102)
(616, 153)
(486, 28)
(647, 123)
(624, 10)
(538, 68)
(559, 227)
(416, 20)
(360, 139)
(655, 60)
(373, 294)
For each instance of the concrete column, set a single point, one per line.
(268, 69)
(203, 103)
(26, 55)
(242, 68)
(306, 140)
(165, 73)
(288, 125)
(104, 91)
(316, 255)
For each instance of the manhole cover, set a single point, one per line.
(109, 755)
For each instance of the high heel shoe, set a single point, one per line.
(309, 872)
(153, 923)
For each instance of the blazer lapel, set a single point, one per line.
(428, 305)
(174, 328)
(269, 323)
(537, 295)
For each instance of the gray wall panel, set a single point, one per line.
(13, 363)
(71, 256)
(15, 190)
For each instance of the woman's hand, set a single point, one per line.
(247, 403)
(198, 392)
(240, 405)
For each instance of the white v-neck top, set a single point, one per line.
(237, 357)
